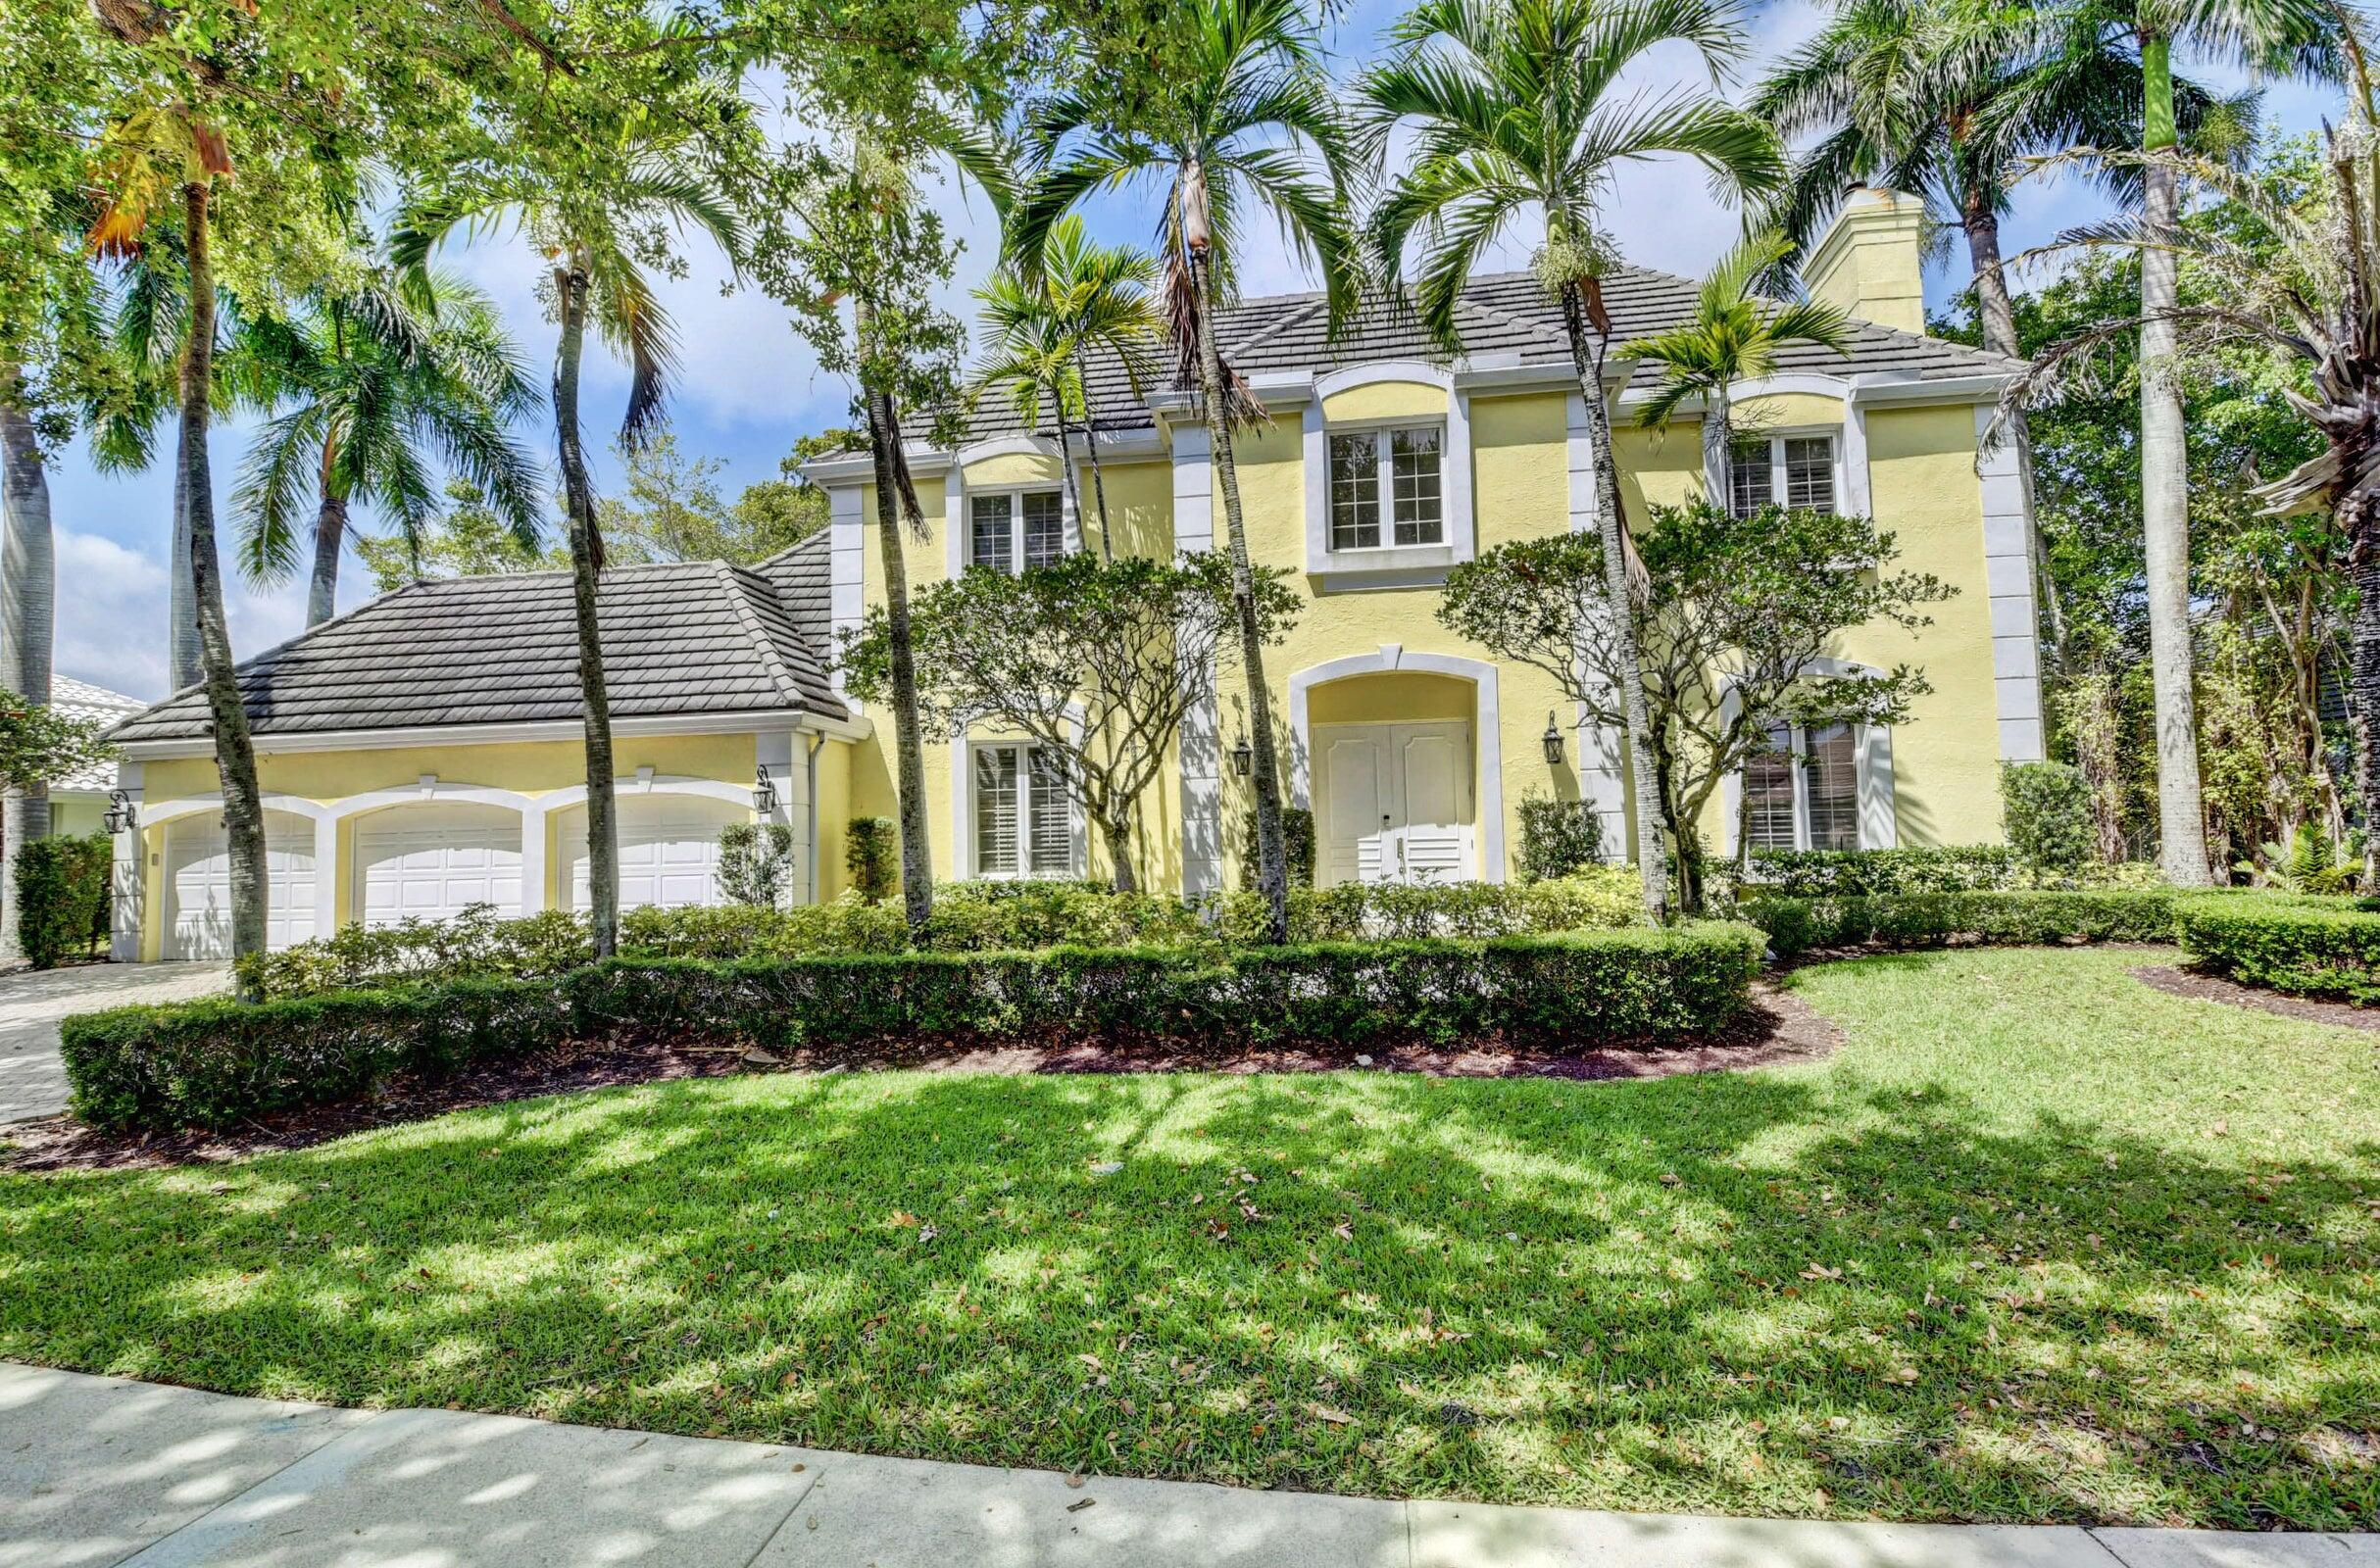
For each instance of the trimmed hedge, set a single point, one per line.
(2305, 945)
(213, 1062)
(64, 900)
(2002, 917)
(1866, 873)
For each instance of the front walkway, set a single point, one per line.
(32, 1082)
(98, 1471)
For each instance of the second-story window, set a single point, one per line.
(1011, 529)
(1798, 470)
(1392, 476)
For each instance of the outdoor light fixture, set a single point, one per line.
(763, 794)
(1553, 739)
(122, 815)
(1243, 757)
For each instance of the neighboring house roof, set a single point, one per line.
(683, 638)
(1507, 318)
(93, 705)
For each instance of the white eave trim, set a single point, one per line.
(557, 729)
(857, 467)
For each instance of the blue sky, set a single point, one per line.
(750, 386)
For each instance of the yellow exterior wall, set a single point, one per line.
(1385, 400)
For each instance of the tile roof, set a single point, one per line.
(681, 638)
(93, 705)
(1507, 316)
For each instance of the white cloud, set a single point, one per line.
(112, 616)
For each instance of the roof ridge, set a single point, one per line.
(772, 658)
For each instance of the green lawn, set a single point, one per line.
(2039, 1243)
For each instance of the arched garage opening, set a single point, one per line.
(669, 848)
(430, 859)
(197, 883)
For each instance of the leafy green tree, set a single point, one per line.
(467, 539)
(1733, 335)
(379, 385)
(670, 509)
(1731, 622)
(1089, 299)
(1521, 107)
(1098, 661)
(603, 230)
(1242, 96)
(789, 507)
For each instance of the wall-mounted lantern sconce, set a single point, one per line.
(1553, 742)
(763, 794)
(122, 815)
(1243, 757)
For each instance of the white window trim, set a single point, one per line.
(963, 750)
(1872, 761)
(959, 517)
(1797, 743)
(1385, 481)
(1024, 871)
(1390, 566)
(1776, 437)
(1015, 496)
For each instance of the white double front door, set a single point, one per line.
(1393, 802)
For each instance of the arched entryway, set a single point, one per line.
(1396, 753)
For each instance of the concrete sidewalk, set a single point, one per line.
(98, 1471)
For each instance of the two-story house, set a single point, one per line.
(422, 752)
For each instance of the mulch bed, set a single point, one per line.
(2178, 982)
(1779, 1028)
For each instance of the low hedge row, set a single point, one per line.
(2311, 947)
(211, 1063)
(2009, 916)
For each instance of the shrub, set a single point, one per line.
(871, 848)
(213, 1062)
(1863, 874)
(475, 943)
(63, 898)
(1998, 917)
(2312, 946)
(1599, 896)
(1297, 847)
(755, 861)
(1558, 838)
(2046, 811)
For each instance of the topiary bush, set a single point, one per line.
(871, 852)
(2015, 917)
(64, 902)
(2303, 945)
(1558, 838)
(755, 861)
(2046, 813)
(214, 1063)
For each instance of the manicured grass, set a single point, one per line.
(2039, 1243)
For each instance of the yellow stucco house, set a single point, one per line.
(420, 752)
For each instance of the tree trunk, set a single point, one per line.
(330, 538)
(2362, 517)
(1099, 493)
(571, 284)
(1272, 850)
(1116, 832)
(1610, 524)
(2166, 505)
(29, 603)
(182, 599)
(1999, 317)
(234, 755)
(908, 742)
(1065, 468)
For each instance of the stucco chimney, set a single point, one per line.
(1867, 259)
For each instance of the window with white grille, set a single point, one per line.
(1396, 474)
(1795, 470)
(1013, 528)
(1024, 819)
(1803, 793)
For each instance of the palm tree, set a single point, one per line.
(1088, 298)
(593, 239)
(1519, 108)
(29, 605)
(377, 382)
(2266, 34)
(1248, 79)
(1734, 335)
(155, 156)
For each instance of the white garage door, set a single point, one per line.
(198, 884)
(668, 849)
(427, 862)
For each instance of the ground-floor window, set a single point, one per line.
(1804, 792)
(1024, 821)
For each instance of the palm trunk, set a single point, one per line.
(234, 755)
(1272, 850)
(587, 566)
(1998, 317)
(2362, 515)
(182, 599)
(1609, 523)
(2165, 504)
(330, 538)
(1098, 492)
(909, 741)
(29, 603)
(1065, 468)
